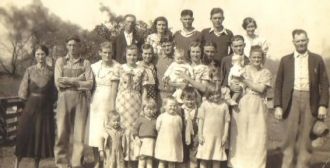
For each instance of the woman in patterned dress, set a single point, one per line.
(129, 99)
(159, 31)
(106, 73)
(36, 132)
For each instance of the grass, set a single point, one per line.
(319, 159)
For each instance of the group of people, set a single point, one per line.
(192, 99)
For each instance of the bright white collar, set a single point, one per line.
(187, 34)
(224, 30)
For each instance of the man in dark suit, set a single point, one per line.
(127, 37)
(301, 96)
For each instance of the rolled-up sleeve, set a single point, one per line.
(58, 71)
(88, 83)
(24, 86)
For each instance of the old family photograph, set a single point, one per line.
(161, 90)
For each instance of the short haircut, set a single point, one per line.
(189, 92)
(210, 43)
(247, 21)
(130, 15)
(110, 115)
(186, 12)
(147, 47)
(73, 37)
(149, 101)
(257, 48)
(237, 38)
(106, 44)
(298, 31)
(41, 47)
(166, 39)
(216, 10)
(132, 47)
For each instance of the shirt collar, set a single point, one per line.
(187, 34)
(224, 30)
(67, 57)
(128, 34)
(298, 55)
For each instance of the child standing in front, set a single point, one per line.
(150, 71)
(112, 149)
(169, 146)
(145, 130)
(213, 123)
(190, 110)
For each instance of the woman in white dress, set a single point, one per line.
(251, 119)
(106, 72)
(251, 38)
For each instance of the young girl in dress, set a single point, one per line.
(189, 108)
(201, 71)
(150, 71)
(213, 123)
(169, 146)
(112, 146)
(145, 130)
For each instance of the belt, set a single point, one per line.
(37, 94)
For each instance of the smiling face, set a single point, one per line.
(40, 56)
(238, 47)
(131, 56)
(106, 54)
(250, 29)
(171, 106)
(300, 42)
(256, 58)
(217, 20)
(187, 21)
(147, 55)
(189, 100)
(161, 26)
(195, 54)
(114, 121)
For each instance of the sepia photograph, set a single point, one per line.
(164, 84)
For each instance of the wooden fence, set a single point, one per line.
(10, 109)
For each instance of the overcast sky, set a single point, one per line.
(276, 19)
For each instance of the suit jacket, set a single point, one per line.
(121, 44)
(226, 64)
(318, 78)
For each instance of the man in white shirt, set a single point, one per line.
(301, 95)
